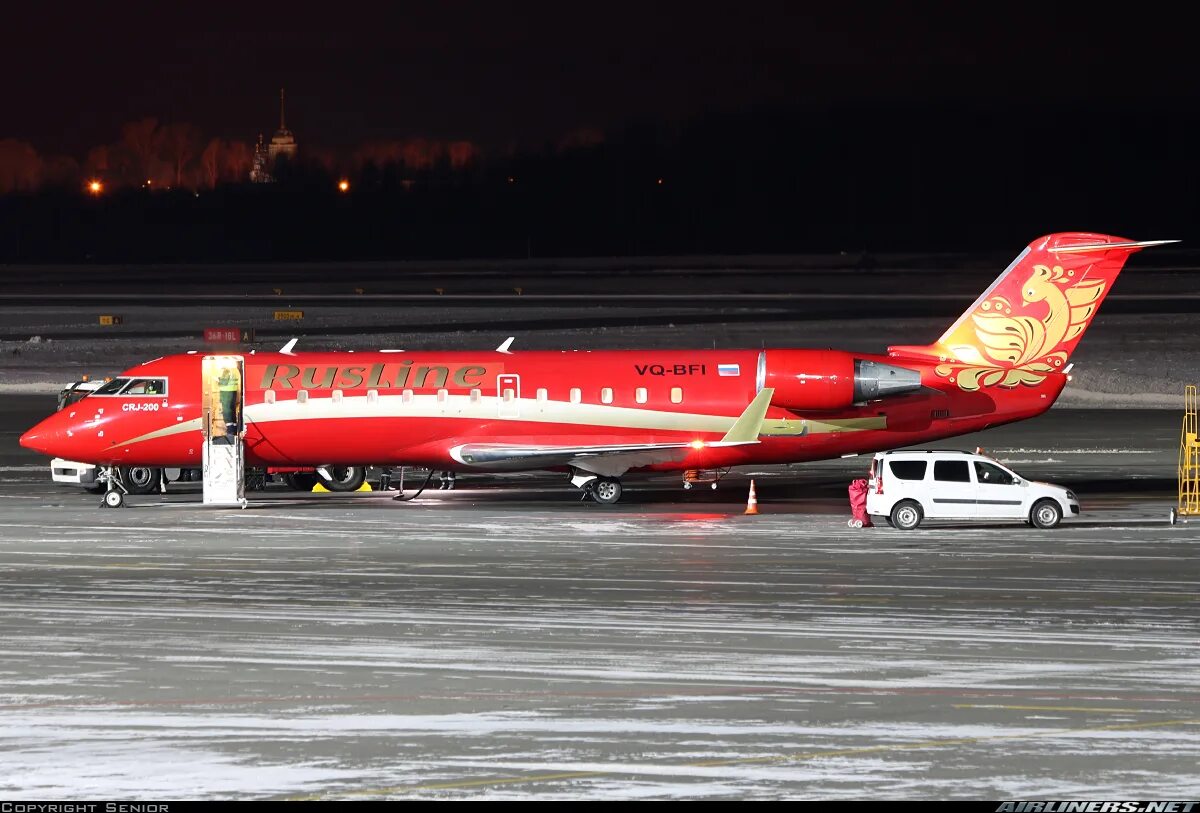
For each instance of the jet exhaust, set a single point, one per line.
(874, 380)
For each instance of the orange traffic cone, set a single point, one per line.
(752, 501)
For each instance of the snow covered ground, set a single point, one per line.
(350, 647)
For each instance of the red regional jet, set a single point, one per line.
(601, 414)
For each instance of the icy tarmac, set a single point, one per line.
(510, 642)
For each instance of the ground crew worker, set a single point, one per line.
(227, 384)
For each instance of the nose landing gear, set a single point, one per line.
(114, 495)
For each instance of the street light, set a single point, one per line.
(343, 185)
(95, 187)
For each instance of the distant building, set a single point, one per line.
(259, 168)
(283, 144)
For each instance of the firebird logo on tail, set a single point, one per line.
(1010, 350)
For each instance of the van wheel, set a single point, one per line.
(906, 515)
(1045, 514)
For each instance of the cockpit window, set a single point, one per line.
(112, 387)
(146, 386)
(135, 386)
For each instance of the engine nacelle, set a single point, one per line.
(832, 379)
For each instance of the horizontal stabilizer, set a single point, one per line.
(1108, 246)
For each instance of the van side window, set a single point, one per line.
(952, 471)
(908, 469)
(988, 474)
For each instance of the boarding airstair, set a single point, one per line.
(1189, 459)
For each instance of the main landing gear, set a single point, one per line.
(604, 490)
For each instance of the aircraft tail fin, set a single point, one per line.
(1028, 322)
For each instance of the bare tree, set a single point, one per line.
(179, 145)
(237, 160)
(143, 139)
(20, 166)
(210, 162)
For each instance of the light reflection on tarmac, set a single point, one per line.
(507, 641)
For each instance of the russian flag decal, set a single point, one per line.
(729, 369)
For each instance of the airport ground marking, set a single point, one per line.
(1056, 708)
(468, 784)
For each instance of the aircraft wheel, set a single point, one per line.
(140, 479)
(345, 478)
(1045, 514)
(113, 499)
(907, 515)
(301, 480)
(606, 490)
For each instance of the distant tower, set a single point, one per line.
(283, 142)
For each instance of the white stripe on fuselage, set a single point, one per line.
(486, 408)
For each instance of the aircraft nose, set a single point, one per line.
(44, 437)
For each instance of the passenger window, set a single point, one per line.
(952, 471)
(676, 395)
(302, 397)
(442, 395)
(337, 396)
(576, 395)
(988, 474)
(606, 396)
(269, 396)
(908, 469)
(406, 397)
(639, 395)
(542, 394)
(476, 395)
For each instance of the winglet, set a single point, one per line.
(287, 348)
(503, 348)
(746, 428)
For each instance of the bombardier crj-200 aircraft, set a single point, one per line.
(603, 414)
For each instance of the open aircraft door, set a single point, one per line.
(223, 394)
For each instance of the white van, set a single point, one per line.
(906, 487)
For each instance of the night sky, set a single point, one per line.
(522, 74)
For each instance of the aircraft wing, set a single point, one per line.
(610, 460)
